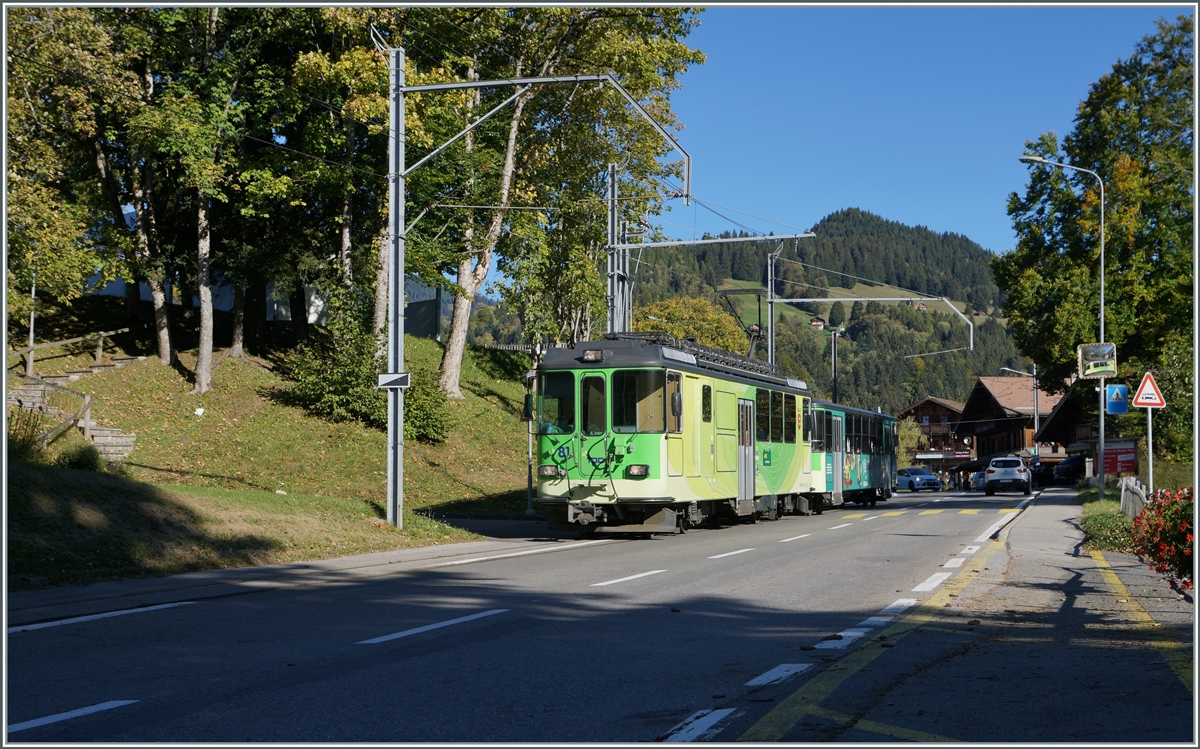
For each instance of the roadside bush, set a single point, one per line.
(1163, 534)
(24, 435)
(336, 375)
(80, 455)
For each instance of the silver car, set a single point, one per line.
(1009, 472)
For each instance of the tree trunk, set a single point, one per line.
(299, 314)
(256, 308)
(162, 320)
(239, 319)
(133, 298)
(379, 321)
(344, 258)
(203, 246)
(456, 341)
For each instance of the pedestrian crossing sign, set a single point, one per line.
(1116, 399)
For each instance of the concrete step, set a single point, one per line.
(114, 440)
(98, 368)
(123, 360)
(58, 379)
(75, 374)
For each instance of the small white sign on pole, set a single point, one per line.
(1149, 397)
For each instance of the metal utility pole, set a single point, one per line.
(1036, 421)
(395, 380)
(771, 258)
(836, 333)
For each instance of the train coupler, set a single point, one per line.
(584, 513)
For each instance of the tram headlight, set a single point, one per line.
(637, 471)
(550, 472)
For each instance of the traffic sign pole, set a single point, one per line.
(1150, 445)
(1149, 397)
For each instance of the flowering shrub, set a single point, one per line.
(1162, 533)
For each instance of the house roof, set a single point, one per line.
(952, 405)
(1015, 395)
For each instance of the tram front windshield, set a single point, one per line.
(637, 401)
(556, 403)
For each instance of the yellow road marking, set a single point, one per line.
(1010, 509)
(893, 514)
(876, 727)
(1172, 652)
(856, 515)
(929, 512)
(968, 512)
(780, 720)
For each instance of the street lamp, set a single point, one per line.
(1036, 422)
(1040, 160)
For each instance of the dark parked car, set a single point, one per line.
(1070, 470)
(916, 479)
(1043, 474)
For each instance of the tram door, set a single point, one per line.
(839, 456)
(745, 464)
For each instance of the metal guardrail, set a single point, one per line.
(27, 352)
(1133, 496)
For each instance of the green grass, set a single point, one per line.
(70, 527)
(1105, 526)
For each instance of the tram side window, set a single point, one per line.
(806, 431)
(762, 414)
(637, 401)
(706, 403)
(556, 403)
(818, 431)
(776, 416)
(789, 418)
(829, 447)
(591, 405)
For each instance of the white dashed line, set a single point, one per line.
(848, 636)
(428, 627)
(624, 579)
(899, 606)
(875, 621)
(843, 525)
(523, 553)
(987, 535)
(779, 673)
(698, 726)
(955, 562)
(870, 518)
(794, 538)
(934, 580)
(731, 553)
(968, 551)
(68, 715)
(93, 617)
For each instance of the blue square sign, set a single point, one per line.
(1116, 399)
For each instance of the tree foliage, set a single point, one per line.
(1134, 129)
(698, 319)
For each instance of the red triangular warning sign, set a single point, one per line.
(1148, 395)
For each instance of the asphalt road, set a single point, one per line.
(712, 635)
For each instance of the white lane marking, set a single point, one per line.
(623, 579)
(731, 553)
(968, 551)
(955, 562)
(921, 505)
(986, 535)
(848, 636)
(899, 606)
(427, 627)
(779, 673)
(794, 538)
(933, 581)
(875, 621)
(523, 553)
(697, 726)
(843, 525)
(937, 500)
(68, 715)
(870, 518)
(77, 619)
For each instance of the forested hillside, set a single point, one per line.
(852, 248)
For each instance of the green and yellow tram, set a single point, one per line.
(645, 432)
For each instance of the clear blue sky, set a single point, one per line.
(916, 114)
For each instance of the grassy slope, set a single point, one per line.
(249, 438)
(73, 527)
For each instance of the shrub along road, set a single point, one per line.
(905, 622)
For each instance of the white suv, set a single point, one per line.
(1007, 472)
